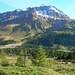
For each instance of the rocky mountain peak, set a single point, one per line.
(41, 12)
(50, 12)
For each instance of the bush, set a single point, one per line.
(5, 62)
(2, 72)
(20, 61)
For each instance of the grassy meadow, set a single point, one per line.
(53, 67)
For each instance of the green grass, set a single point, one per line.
(54, 67)
(34, 70)
(29, 70)
(66, 70)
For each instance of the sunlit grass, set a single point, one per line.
(55, 67)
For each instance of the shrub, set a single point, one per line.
(2, 72)
(5, 62)
(20, 61)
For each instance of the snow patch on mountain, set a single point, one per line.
(24, 9)
(50, 12)
(54, 9)
(42, 13)
(19, 10)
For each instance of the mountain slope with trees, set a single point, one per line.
(38, 25)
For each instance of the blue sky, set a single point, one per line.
(67, 6)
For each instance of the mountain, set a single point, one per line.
(42, 11)
(20, 24)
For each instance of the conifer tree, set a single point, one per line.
(64, 56)
(39, 58)
(70, 56)
(60, 56)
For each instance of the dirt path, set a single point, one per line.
(10, 45)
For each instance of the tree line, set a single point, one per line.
(66, 55)
(53, 38)
(31, 49)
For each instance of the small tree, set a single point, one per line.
(65, 54)
(60, 56)
(70, 56)
(39, 58)
(20, 60)
(4, 61)
(2, 54)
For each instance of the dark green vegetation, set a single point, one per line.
(49, 51)
(39, 57)
(5, 42)
(52, 38)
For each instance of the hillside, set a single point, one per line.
(26, 25)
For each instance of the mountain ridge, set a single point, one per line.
(24, 23)
(42, 11)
